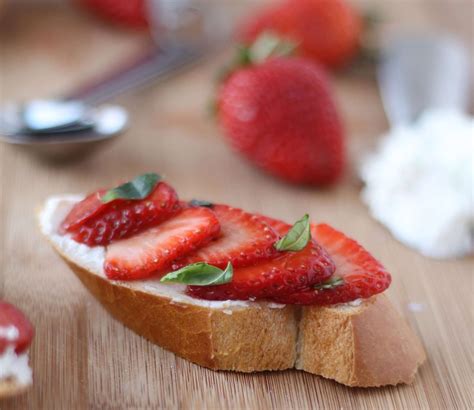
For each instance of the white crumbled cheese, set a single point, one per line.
(355, 303)
(92, 258)
(15, 366)
(9, 332)
(420, 184)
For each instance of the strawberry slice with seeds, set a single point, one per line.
(358, 274)
(144, 254)
(15, 329)
(84, 210)
(244, 240)
(94, 222)
(278, 226)
(282, 275)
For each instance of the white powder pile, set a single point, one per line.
(420, 184)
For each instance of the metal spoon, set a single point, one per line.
(61, 125)
(81, 117)
(418, 72)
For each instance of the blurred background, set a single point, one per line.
(157, 66)
(151, 86)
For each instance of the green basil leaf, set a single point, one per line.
(137, 189)
(330, 284)
(297, 237)
(200, 274)
(198, 202)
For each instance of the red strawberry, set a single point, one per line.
(327, 31)
(362, 275)
(131, 13)
(96, 223)
(144, 254)
(278, 226)
(15, 329)
(281, 115)
(83, 211)
(287, 273)
(244, 240)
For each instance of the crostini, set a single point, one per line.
(231, 290)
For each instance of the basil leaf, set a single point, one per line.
(198, 202)
(297, 237)
(138, 188)
(330, 284)
(200, 274)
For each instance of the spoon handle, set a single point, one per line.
(155, 64)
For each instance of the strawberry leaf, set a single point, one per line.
(138, 188)
(269, 44)
(297, 237)
(330, 284)
(200, 274)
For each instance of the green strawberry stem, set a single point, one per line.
(266, 45)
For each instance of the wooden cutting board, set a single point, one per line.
(81, 357)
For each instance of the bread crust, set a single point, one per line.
(209, 337)
(368, 345)
(364, 346)
(11, 387)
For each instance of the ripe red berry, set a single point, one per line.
(281, 115)
(93, 222)
(359, 274)
(244, 240)
(15, 329)
(130, 13)
(327, 31)
(151, 251)
(285, 274)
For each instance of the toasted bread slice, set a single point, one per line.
(11, 387)
(359, 344)
(15, 373)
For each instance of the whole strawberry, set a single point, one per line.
(281, 115)
(130, 13)
(328, 31)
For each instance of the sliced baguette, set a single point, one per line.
(11, 387)
(368, 345)
(15, 374)
(364, 345)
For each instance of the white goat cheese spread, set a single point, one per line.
(14, 366)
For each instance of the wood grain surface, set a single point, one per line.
(81, 357)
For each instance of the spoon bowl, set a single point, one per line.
(60, 128)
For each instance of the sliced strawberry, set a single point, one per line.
(15, 329)
(285, 274)
(83, 211)
(96, 223)
(244, 240)
(144, 254)
(278, 226)
(362, 275)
